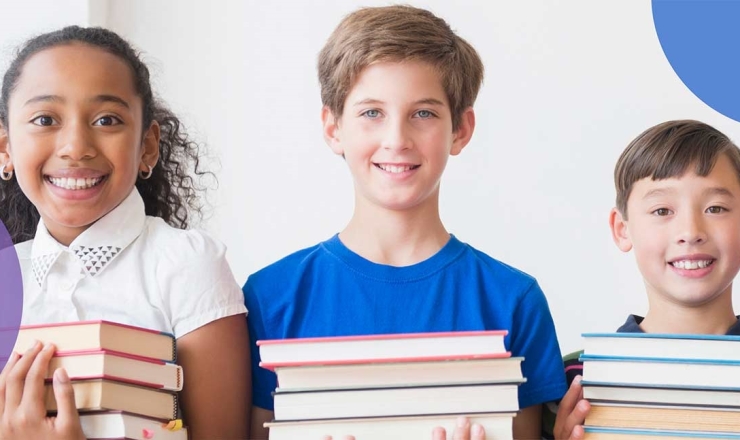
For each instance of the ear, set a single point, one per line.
(620, 234)
(5, 150)
(464, 131)
(150, 147)
(331, 130)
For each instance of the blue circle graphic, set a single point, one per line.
(701, 40)
(11, 295)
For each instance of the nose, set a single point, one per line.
(75, 142)
(691, 229)
(397, 136)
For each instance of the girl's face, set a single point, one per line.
(74, 136)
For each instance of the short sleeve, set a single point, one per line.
(533, 336)
(263, 381)
(196, 282)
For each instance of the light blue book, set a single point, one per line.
(656, 345)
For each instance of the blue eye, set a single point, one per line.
(44, 121)
(424, 114)
(372, 113)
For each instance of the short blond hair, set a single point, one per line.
(396, 34)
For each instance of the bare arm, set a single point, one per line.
(259, 417)
(217, 393)
(528, 423)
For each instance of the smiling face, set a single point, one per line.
(396, 135)
(75, 137)
(685, 233)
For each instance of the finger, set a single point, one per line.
(34, 388)
(576, 418)
(578, 433)
(566, 406)
(439, 433)
(9, 366)
(477, 432)
(67, 416)
(462, 429)
(16, 378)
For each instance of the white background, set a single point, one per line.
(567, 86)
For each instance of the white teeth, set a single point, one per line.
(691, 264)
(74, 183)
(395, 169)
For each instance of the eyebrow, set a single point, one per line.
(427, 101)
(97, 99)
(715, 190)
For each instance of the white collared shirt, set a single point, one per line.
(130, 268)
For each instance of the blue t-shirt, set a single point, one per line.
(328, 290)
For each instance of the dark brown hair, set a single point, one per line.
(171, 191)
(668, 150)
(396, 34)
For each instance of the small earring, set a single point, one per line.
(146, 175)
(4, 175)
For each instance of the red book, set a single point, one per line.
(382, 348)
(99, 335)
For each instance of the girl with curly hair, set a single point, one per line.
(98, 179)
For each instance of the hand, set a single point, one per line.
(572, 413)
(463, 431)
(22, 408)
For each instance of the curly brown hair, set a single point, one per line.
(172, 191)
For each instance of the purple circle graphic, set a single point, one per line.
(11, 295)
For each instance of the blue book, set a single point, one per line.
(655, 345)
(662, 372)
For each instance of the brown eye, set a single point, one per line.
(107, 121)
(715, 209)
(44, 121)
(662, 212)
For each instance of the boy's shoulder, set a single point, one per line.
(288, 266)
(499, 267)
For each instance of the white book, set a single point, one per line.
(498, 426)
(705, 397)
(662, 372)
(391, 347)
(386, 402)
(121, 425)
(655, 345)
(388, 374)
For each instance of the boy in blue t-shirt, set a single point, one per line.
(678, 209)
(398, 86)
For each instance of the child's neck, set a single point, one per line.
(395, 238)
(714, 318)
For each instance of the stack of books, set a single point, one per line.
(124, 378)
(398, 386)
(657, 386)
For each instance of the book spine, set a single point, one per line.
(180, 378)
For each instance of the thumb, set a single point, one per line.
(65, 397)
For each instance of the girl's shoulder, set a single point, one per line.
(175, 244)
